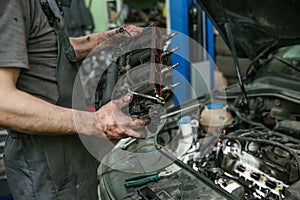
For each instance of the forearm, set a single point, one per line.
(25, 113)
(84, 45)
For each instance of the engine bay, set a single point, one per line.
(245, 139)
(251, 153)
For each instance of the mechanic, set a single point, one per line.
(44, 156)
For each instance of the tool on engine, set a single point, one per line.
(155, 176)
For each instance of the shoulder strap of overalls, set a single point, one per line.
(54, 12)
(67, 66)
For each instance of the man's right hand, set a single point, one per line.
(25, 113)
(115, 124)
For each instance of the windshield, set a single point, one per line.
(292, 52)
(285, 64)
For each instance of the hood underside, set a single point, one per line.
(258, 27)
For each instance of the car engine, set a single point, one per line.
(252, 153)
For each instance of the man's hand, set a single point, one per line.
(84, 45)
(115, 124)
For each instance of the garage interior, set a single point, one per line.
(230, 127)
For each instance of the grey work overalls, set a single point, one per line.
(52, 167)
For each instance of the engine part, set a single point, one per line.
(293, 192)
(258, 164)
(141, 65)
(258, 180)
(231, 186)
(147, 194)
(128, 143)
(292, 128)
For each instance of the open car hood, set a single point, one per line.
(258, 27)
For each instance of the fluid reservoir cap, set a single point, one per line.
(184, 120)
(216, 105)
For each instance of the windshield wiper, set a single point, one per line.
(284, 61)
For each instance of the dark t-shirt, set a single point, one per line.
(27, 41)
